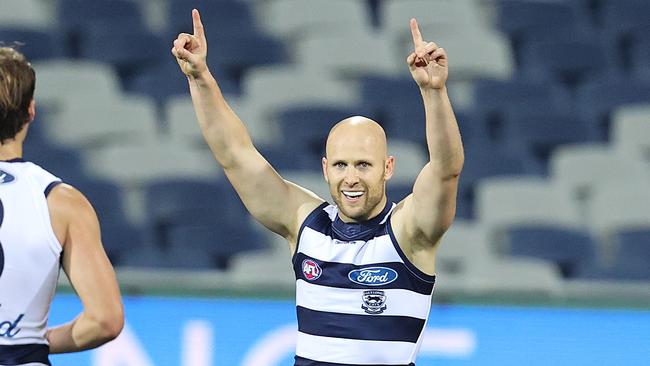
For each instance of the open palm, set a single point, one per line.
(427, 62)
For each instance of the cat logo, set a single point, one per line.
(374, 301)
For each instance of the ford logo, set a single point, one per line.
(373, 276)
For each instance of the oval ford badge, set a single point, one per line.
(373, 276)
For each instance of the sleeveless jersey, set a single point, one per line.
(359, 300)
(29, 262)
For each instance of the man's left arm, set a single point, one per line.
(429, 211)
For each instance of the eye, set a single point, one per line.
(339, 165)
(363, 165)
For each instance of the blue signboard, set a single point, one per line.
(207, 332)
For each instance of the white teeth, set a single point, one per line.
(352, 194)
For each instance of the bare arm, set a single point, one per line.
(429, 211)
(90, 272)
(277, 204)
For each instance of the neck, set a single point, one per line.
(373, 213)
(11, 149)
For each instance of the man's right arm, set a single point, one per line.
(276, 203)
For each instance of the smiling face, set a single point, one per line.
(356, 167)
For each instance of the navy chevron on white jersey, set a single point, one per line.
(359, 300)
(29, 262)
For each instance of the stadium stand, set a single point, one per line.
(557, 143)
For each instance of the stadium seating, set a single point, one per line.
(536, 88)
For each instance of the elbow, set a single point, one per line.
(109, 326)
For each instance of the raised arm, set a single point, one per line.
(276, 203)
(429, 211)
(89, 271)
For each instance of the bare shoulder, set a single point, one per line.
(66, 205)
(64, 198)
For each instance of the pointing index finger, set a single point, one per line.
(415, 32)
(198, 26)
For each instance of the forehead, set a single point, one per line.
(354, 144)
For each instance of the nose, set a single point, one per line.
(351, 177)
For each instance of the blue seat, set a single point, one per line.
(106, 197)
(226, 15)
(214, 245)
(567, 248)
(595, 106)
(522, 20)
(633, 244)
(63, 162)
(293, 157)
(484, 160)
(308, 126)
(126, 50)
(639, 56)
(185, 201)
(539, 132)
(166, 80)
(619, 16)
(493, 98)
(119, 240)
(238, 51)
(34, 44)
(379, 93)
(568, 61)
(78, 16)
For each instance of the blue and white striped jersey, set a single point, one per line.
(29, 262)
(359, 300)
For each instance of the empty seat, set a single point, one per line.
(395, 14)
(235, 53)
(489, 160)
(502, 202)
(78, 16)
(35, 44)
(103, 122)
(127, 50)
(474, 52)
(618, 205)
(516, 18)
(566, 247)
(581, 167)
(307, 127)
(339, 53)
(66, 163)
(293, 19)
(79, 80)
(571, 61)
(596, 106)
(144, 162)
(226, 16)
(540, 132)
(106, 197)
(275, 88)
(630, 131)
(410, 158)
(217, 242)
(34, 14)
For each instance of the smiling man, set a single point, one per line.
(365, 267)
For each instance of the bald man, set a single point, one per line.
(365, 267)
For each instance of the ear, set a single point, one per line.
(31, 110)
(389, 167)
(324, 164)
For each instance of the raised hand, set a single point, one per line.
(191, 50)
(428, 62)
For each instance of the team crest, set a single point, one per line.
(311, 270)
(374, 301)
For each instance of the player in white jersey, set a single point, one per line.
(45, 225)
(364, 267)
